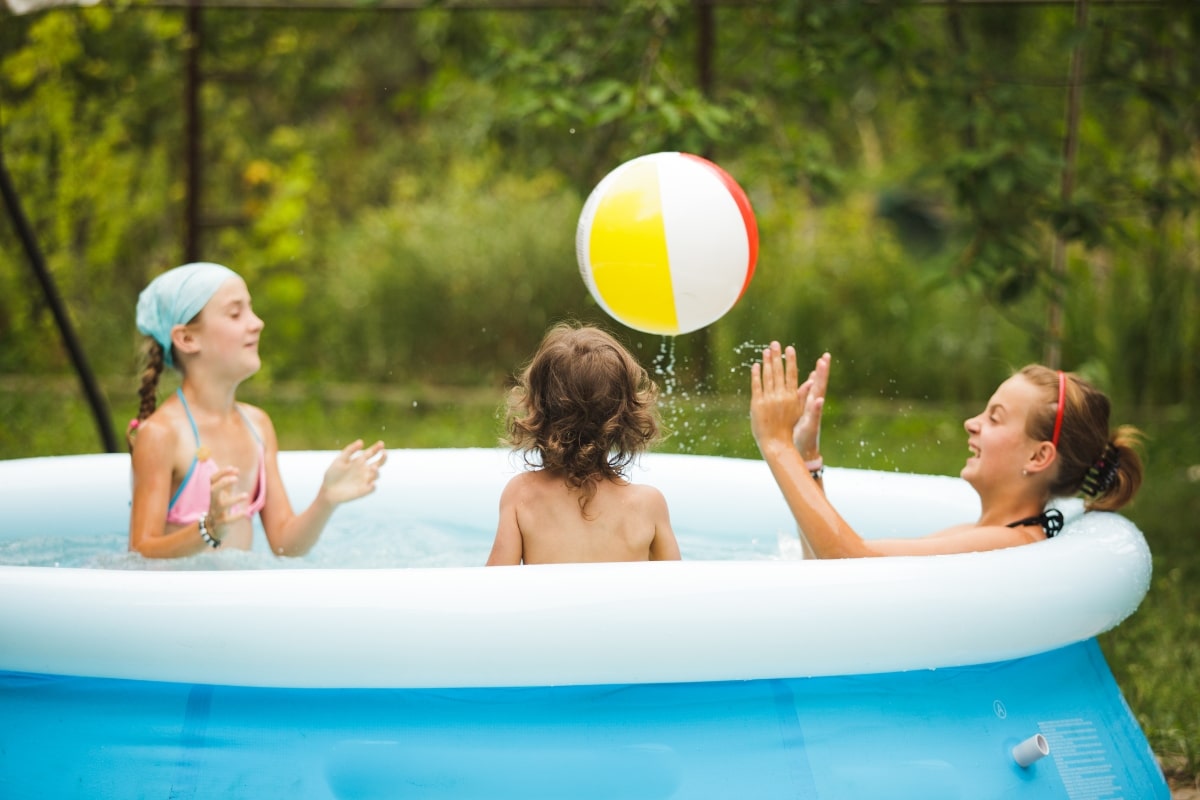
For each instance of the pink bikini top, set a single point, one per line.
(193, 498)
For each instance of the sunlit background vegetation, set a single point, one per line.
(400, 188)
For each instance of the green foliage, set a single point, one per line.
(454, 280)
(903, 162)
(1156, 660)
(1155, 655)
(584, 91)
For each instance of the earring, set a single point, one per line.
(1025, 472)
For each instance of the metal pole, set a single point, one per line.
(705, 47)
(25, 232)
(1058, 255)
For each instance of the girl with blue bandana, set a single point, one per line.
(205, 464)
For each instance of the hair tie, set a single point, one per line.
(1062, 397)
(1102, 474)
(131, 431)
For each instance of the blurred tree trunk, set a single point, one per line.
(1058, 256)
(706, 46)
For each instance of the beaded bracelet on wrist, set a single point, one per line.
(208, 538)
(816, 468)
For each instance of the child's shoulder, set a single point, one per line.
(167, 421)
(161, 434)
(645, 493)
(529, 487)
(252, 411)
(638, 498)
(261, 419)
(529, 481)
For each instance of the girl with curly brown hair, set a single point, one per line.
(581, 411)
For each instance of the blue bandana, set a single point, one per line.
(175, 298)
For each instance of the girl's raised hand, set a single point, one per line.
(353, 473)
(775, 406)
(225, 505)
(806, 436)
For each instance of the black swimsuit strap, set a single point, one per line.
(1051, 521)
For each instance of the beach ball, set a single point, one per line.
(667, 243)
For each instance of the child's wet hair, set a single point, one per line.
(584, 406)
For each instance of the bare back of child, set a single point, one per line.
(541, 514)
(582, 410)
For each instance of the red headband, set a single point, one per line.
(1062, 397)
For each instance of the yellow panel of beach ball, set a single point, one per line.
(667, 243)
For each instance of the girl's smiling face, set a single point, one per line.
(997, 438)
(229, 328)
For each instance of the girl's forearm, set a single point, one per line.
(823, 531)
(185, 541)
(298, 535)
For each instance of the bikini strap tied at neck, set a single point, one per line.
(1051, 521)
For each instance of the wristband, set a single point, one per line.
(205, 535)
(816, 468)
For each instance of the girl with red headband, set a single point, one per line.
(1043, 434)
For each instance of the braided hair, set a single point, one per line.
(154, 363)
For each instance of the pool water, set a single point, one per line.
(353, 544)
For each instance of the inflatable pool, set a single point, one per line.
(742, 671)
